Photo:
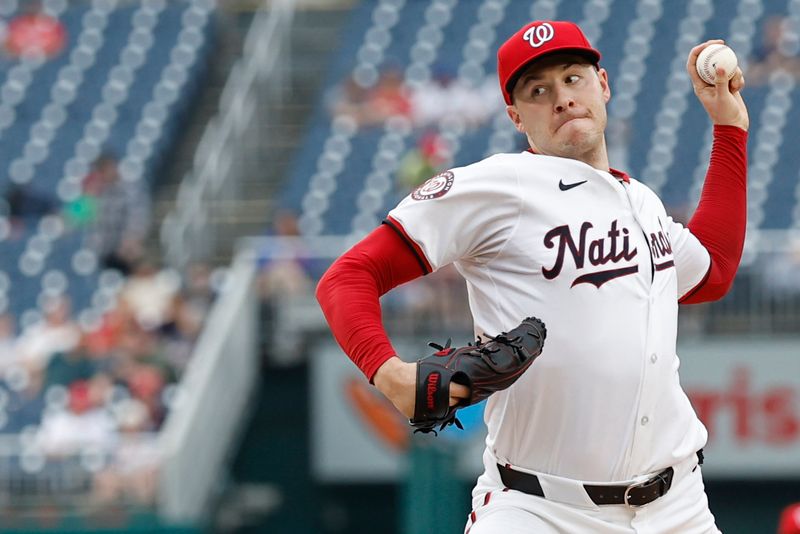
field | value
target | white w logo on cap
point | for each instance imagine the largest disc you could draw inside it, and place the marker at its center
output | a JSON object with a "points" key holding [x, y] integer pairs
{"points": [[539, 35]]}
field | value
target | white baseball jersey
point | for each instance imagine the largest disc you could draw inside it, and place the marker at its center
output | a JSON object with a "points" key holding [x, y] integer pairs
{"points": [[601, 263]]}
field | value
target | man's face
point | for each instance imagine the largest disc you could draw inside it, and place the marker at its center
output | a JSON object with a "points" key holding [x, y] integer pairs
{"points": [[560, 104]]}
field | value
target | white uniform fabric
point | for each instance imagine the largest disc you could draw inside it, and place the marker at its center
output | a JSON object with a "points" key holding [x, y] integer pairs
{"points": [[601, 263]]}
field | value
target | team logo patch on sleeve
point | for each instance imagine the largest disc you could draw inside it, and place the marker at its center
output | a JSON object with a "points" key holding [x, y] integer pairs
{"points": [[435, 187]]}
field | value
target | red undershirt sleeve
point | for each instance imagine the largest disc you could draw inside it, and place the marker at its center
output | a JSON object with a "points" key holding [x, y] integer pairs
{"points": [[349, 293], [720, 220]]}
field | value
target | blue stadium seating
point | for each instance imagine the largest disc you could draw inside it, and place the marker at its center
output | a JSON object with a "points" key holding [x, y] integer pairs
{"points": [[134, 43], [686, 160]]}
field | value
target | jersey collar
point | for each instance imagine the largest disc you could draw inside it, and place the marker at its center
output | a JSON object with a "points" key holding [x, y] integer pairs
{"points": [[619, 175]]}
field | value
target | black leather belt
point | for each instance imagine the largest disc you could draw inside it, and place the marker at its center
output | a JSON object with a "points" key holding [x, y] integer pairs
{"points": [[637, 494]]}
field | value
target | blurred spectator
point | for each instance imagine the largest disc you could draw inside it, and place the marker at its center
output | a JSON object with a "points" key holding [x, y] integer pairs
{"points": [[284, 264], [25, 402], [142, 366], [131, 474], [430, 101], [82, 211], [84, 423], [70, 366], [197, 293], [187, 314], [444, 98], [102, 340], [57, 332], [424, 161], [349, 100], [179, 335], [26, 205], [143, 345], [285, 272], [372, 106], [9, 352], [118, 223], [781, 272], [34, 33], [148, 294], [447, 98], [389, 97], [779, 49]]}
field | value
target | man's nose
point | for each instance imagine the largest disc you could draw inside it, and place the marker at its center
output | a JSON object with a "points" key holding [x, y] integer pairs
{"points": [[564, 104], [564, 101]]}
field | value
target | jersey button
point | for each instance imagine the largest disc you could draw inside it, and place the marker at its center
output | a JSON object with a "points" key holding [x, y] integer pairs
{"points": [[654, 357], [645, 420]]}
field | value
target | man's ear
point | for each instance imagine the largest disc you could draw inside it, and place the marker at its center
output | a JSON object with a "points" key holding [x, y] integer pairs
{"points": [[602, 74], [513, 114]]}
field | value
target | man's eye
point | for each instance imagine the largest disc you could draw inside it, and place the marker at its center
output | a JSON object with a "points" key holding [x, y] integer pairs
{"points": [[572, 78], [538, 91]]}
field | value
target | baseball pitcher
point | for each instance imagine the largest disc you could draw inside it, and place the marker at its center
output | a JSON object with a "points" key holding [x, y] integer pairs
{"points": [[589, 429]]}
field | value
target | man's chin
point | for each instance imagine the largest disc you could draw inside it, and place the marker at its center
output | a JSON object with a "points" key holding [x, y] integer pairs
{"points": [[575, 149], [579, 142]]}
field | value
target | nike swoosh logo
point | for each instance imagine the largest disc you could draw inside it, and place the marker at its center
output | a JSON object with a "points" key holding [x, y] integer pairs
{"points": [[567, 187]]}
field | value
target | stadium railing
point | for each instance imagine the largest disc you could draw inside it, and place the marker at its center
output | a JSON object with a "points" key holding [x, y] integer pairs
{"points": [[201, 430], [219, 164]]}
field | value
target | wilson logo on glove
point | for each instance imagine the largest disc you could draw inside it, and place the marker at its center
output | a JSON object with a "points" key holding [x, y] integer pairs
{"points": [[433, 383]]}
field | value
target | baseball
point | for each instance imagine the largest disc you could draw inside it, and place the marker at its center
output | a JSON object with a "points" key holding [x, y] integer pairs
{"points": [[715, 56]]}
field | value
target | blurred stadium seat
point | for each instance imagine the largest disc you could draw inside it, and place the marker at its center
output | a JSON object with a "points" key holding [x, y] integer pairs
{"points": [[122, 85]]}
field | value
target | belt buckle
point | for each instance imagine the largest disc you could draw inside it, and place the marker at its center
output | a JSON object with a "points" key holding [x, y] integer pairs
{"points": [[626, 495], [660, 477]]}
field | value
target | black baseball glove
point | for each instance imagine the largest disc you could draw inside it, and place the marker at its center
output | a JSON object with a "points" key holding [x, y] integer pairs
{"points": [[484, 367]]}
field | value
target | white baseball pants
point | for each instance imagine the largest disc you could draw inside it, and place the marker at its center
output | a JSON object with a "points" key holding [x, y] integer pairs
{"points": [[683, 510]]}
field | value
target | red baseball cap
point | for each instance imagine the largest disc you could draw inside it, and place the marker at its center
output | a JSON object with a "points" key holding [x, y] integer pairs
{"points": [[537, 39]]}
